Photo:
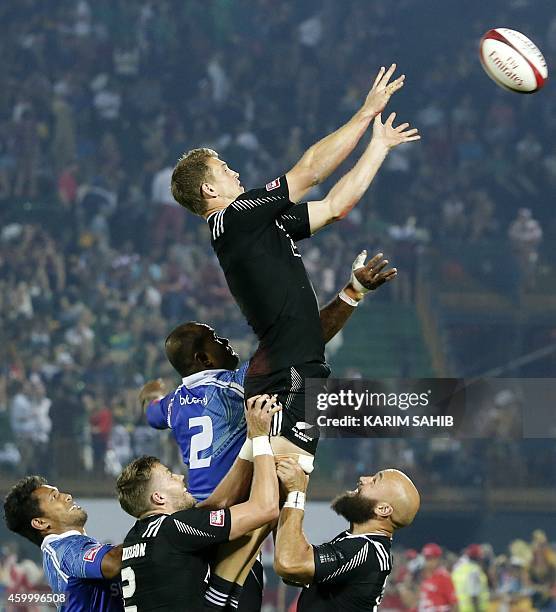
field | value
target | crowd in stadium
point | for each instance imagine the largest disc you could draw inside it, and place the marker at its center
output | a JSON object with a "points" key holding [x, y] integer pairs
{"points": [[97, 263], [520, 578]]}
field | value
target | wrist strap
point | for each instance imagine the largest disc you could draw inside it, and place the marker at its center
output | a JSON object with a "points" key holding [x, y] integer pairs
{"points": [[246, 451], [261, 446], [296, 500], [345, 297], [358, 286]]}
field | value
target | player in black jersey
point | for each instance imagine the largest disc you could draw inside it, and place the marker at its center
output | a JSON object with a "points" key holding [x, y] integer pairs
{"points": [[254, 235], [195, 348], [349, 572], [166, 554]]}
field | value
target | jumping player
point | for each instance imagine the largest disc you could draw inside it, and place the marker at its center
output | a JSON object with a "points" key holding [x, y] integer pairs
{"points": [[166, 553], [81, 571], [254, 235], [205, 413], [350, 571]]}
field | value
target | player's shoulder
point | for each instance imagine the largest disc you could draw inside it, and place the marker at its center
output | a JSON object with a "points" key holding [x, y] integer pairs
{"points": [[219, 381], [60, 543], [194, 521], [277, 188], [376, 546]]}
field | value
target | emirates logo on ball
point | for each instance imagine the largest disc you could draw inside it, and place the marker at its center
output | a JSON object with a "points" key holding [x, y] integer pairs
{"points": [[513, 61]]}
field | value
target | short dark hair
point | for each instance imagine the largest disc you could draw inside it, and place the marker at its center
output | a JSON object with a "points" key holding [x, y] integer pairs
{"points": [[181, 345], [133, 485], [21, 507], [189, 174]]}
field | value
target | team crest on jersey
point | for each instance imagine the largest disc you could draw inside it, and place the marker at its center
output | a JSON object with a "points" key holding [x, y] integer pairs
{"points": [[273, 184], [217, 518], [92, 553]]}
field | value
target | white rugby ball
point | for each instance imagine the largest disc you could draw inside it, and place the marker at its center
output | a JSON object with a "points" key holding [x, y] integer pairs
{"points": [[513, 61]]}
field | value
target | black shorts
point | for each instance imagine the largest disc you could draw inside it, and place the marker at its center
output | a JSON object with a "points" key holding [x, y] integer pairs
{"points": [[292, 422], [251, 598]]}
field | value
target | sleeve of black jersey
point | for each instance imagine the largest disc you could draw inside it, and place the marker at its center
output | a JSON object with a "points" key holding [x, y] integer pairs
{"points": [[259, 207], [339, 561], [197, 528], [296, 222]]}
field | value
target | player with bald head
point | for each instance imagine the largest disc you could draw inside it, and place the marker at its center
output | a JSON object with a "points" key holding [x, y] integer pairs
{"points": [[350, 571]]}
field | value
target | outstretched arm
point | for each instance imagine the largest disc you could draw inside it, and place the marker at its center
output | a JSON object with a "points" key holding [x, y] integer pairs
{"points": [[347, 192], [293, 555], [364, 278], [111, 563], [319, 161]]}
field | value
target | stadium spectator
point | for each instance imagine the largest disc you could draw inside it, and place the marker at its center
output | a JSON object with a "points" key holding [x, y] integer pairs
{"points": [[470, 581], [437, 592], [525, 234]]}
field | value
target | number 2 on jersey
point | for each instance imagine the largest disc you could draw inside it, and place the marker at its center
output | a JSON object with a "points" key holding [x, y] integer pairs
{"points": [[128, 586], [200, 441]]}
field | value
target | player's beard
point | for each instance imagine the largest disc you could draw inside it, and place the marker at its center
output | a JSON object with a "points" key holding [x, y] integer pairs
{"points": [[353, 507]]}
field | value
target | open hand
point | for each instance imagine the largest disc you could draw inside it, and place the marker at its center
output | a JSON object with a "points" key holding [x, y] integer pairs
{"points": [[389, 136], [152, 390], [371, 275], [381, 91]]}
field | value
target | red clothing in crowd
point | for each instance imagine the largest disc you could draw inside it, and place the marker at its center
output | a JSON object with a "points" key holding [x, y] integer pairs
{"points": [[437, 592], [101, 422]]}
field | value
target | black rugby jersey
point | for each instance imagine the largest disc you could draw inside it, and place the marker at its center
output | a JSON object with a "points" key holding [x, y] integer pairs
{"points": [[165, 559], [350, 574], [254, 240]]}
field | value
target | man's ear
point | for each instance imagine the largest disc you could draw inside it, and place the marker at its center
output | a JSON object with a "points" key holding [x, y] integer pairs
{"points": [[202, 358], [39, 524], [208, 191], [158, 498], [383, 509]]}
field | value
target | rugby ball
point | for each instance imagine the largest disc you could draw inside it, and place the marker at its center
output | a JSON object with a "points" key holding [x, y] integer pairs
{"points": [[512, 61]]}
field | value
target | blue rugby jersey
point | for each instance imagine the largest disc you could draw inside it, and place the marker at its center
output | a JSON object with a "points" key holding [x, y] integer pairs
{"points": [[72, 566], [206, 416]]}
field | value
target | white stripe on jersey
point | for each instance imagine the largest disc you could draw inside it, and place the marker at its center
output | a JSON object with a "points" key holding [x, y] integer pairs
{"points": [[220, 220], [356, 561], [243, 204], [297, 383], [218, 225], [382, 556], [152, 530], [52, 554], [185, 528], [215, 382]]}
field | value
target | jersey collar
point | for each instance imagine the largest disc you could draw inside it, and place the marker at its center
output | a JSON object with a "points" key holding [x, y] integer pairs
{"points": [[198, 376], [58, 536], [364, 535]]}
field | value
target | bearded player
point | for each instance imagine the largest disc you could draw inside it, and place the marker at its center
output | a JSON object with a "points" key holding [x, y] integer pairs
{"points": [[350, 571], [205, 414], [254, 235]]}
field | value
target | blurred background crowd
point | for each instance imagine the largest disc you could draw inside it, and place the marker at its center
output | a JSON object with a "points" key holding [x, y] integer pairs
{"points": [[97, 263]]}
